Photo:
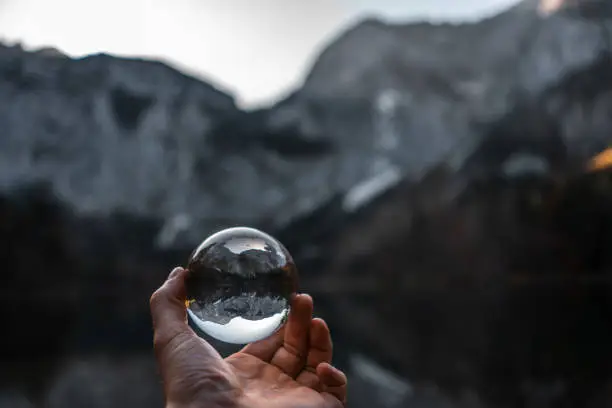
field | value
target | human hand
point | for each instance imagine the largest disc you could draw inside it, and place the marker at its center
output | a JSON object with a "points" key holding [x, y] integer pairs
{"points": [[290, 369]]}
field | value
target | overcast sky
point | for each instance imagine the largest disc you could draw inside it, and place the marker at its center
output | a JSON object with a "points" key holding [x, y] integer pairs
{"points": [[256, 49]]}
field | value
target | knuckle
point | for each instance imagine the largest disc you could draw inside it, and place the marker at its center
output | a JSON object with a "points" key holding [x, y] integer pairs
{"points": [[156, 299], [310, 380], [294, 351], [311, 369]]}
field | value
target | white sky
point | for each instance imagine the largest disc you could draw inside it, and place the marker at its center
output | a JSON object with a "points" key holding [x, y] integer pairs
{"points": [[257, 49]]}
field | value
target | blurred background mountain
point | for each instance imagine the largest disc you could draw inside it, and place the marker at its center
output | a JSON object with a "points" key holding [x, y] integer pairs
{"points": [[438, 171]]}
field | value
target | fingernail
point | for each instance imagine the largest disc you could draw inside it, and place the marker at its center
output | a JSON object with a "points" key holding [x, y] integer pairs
{"points": [[175, 272]]}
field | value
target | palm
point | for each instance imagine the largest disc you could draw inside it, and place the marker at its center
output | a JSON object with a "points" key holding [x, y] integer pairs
{"points": [[289, 369], [265, 385]]}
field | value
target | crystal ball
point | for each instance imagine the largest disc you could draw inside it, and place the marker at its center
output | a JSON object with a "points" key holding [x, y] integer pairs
{"points": [[240, 285]]}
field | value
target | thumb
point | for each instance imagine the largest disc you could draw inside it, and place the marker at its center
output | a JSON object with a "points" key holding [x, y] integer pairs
{"points": [[185, 361], [168, 310]]}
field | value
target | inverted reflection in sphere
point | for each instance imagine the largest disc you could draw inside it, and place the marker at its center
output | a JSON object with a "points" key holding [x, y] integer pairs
{"points": [[240, 285]]}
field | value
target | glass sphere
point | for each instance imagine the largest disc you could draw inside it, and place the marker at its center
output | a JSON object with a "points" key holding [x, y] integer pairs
{"points": [[240, 285]]}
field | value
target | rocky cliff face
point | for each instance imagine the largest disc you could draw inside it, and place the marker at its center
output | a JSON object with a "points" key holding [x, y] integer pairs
{"points": [[429, 179]]}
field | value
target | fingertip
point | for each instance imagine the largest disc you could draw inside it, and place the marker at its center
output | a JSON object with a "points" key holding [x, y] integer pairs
{"points": [[300, 311], [290, 358], [176, 272], [320, 340], [301, 298], [168, 302], [330, 376], [324, 369], [175, 284], [302, 303], [300, 315], [333, 380], [319, 325]]}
